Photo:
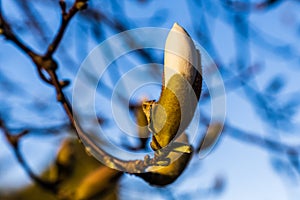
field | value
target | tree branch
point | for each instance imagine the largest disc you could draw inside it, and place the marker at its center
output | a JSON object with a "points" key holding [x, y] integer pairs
{"points": [[65, 19], [14, 140], [257, 140], [6, 30]]}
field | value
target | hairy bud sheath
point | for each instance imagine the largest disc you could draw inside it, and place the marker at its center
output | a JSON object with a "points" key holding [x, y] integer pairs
{"points": [[164, 175]]}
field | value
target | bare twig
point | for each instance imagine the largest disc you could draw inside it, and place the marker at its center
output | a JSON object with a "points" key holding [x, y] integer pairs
{"points": [[8, 33], [66, 18], [43, 63]]}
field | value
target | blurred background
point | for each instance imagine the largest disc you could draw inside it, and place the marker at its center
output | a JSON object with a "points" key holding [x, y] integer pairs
{"points": [[255, 47]]}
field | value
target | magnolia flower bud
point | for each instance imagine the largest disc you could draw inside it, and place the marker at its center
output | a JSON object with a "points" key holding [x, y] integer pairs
{"points": [[182, 83]]}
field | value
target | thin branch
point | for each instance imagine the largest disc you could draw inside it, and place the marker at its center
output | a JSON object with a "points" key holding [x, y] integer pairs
{"points": [[60, 95], [42, 76], [66, 18], [14, 142], [6, 30]]}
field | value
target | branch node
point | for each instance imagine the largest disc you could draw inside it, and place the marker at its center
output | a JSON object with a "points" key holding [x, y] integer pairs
{"points": [[81, 4], [64, 83], [60, 97]]}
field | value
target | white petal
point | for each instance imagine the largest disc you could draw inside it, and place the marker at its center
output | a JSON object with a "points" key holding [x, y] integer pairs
{"points": [[180, 55]]}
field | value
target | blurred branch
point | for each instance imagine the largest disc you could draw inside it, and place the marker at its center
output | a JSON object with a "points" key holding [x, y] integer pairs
{"points": [[274, 45], [292, 152], [260, 141], [6, 30], [249, 6], [35, 20], [234, 82], [10, 35], [117, 25], [14, 141], [45, 129]]}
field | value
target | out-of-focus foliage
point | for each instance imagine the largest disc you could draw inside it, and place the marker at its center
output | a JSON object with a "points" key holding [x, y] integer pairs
{"points": [[82, 177]]}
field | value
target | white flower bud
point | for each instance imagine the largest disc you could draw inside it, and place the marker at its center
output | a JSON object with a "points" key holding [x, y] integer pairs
{"points": [[182, 82]]}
